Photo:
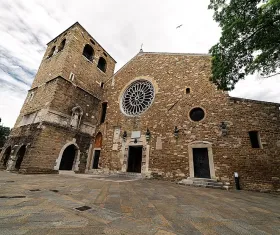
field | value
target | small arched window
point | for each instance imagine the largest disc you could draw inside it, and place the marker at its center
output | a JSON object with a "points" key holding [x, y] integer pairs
{"points": [[102, 64], [51, 52], [62, 44], [88, 52]]}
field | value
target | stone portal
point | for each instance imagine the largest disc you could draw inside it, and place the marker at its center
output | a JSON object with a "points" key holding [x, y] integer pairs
{"points": [[96, 151], [96, 159], [6, 156], [134, 159], [68, 157], [19, 157]]}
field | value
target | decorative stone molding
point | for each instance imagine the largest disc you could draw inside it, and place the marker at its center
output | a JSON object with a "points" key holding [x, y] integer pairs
{"points": [[145, 153], [77, 114]]}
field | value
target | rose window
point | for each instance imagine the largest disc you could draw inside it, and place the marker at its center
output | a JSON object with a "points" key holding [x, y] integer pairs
{"points": [[138, 97]]}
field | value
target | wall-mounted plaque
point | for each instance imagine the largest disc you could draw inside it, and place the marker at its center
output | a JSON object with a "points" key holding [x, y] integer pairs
{"points": [[159, 143], [115, 146], [117, 132], [135, 134]]}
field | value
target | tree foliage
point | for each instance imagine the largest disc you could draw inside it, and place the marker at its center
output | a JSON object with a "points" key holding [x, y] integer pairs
{"points": [[4, 133], [250, 40]]}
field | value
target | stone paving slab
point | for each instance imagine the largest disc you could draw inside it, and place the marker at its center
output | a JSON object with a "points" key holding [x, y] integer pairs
{"points": [[149, 207]]}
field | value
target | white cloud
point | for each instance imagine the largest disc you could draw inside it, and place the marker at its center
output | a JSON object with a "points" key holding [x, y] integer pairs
{"points": [[254, 87], [119, 26]]}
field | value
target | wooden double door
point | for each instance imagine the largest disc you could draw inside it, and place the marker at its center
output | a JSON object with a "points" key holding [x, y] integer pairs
{"points": [[201, 163]]}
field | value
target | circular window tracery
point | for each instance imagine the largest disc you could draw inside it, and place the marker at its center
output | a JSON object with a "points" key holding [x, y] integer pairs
{"points": [[197, 114], [138, 97]]}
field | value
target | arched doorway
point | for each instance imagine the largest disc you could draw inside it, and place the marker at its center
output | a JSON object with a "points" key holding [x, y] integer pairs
{"points": [[97, 150], [68, 158], [6, 156], [19, 156]]}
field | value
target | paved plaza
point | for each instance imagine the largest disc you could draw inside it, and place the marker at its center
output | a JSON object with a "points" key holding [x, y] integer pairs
{"points": [[46, 204]]}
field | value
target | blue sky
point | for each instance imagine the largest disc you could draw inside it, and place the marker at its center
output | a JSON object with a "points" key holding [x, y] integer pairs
{"points": [[119, 26]]}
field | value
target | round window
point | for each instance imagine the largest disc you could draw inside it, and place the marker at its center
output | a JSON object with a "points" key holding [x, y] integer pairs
{"points": [[197, 114], [138, 97]]}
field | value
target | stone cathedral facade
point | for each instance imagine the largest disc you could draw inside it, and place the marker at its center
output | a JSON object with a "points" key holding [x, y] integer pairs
{"points": [[159, 115]]}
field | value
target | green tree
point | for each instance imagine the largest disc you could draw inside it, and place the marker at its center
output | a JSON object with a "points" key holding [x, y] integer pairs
{"points": [[250, 40], [4, 133]]}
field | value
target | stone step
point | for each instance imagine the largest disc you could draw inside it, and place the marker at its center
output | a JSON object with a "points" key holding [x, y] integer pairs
{"points": [[208, 186], [208, 183], [205, 183], [98, 173], [202, 179], [128, 174], [66, 172]]}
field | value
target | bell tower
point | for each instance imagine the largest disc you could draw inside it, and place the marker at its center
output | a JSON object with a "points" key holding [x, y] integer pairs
{"points": [[63, 106]]}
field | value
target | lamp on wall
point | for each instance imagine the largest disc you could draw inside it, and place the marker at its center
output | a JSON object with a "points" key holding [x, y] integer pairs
{"points": [[148, 135], [176, 132], [223, 127], [124, 136]]}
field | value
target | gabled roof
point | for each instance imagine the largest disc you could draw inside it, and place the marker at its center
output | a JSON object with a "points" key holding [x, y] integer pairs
{"points": [[253, 101], [157, 53], [174, 53]]}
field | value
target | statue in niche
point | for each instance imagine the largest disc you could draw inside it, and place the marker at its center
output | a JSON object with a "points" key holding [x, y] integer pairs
{"points": [[77, 114]]}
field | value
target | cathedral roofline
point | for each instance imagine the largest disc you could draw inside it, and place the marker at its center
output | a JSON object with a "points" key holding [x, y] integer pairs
{"points": [[175, 53], [157, 53], [253, 101], [121, 68], [78, 24], [189, 54]]}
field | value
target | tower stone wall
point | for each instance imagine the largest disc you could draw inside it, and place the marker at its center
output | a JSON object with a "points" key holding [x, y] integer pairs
{"points": [[63, 105]]}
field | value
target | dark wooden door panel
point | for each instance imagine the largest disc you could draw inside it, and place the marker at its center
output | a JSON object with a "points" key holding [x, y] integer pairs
{"points": [[201, 163], [96, 159], [134, 163]]}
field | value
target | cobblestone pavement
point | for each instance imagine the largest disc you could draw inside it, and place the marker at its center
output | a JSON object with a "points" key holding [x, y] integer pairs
{"points": [[45, 204]]}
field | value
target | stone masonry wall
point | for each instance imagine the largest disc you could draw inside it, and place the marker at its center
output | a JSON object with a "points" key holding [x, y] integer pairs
{"points": [[68, 96], [44, 142], [42, 97], [171, 74], [22, 136], [258, 167]]}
